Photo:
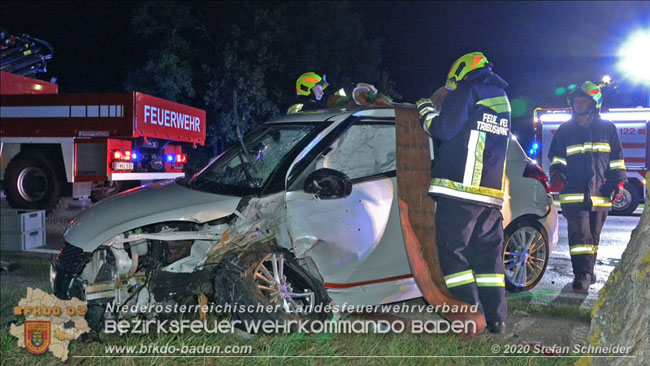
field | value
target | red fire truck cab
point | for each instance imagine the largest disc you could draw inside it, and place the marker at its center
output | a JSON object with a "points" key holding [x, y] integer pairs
{"points": [[88, 144]]}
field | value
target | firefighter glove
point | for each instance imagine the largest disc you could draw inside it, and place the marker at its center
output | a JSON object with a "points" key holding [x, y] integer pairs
{"points": [[558, 180], [611, 189]]}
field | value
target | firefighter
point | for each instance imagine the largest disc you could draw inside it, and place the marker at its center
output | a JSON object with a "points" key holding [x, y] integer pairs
{"points": [[469, 121], [588, 169], [310, 89]]}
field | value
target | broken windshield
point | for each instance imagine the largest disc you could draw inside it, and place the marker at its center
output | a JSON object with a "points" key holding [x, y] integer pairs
{"points": [[232, 173]]}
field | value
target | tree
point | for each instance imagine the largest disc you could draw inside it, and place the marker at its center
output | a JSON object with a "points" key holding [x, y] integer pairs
{"points": [[167, 72], [620, 316], [204, 53]]}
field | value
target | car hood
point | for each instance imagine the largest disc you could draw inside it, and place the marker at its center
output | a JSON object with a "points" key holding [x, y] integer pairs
{"points": [[158, 202]]}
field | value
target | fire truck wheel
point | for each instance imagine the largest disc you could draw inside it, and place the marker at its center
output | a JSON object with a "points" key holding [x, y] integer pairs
{"points": [[628, 202], [31, 182], [103, 190]]}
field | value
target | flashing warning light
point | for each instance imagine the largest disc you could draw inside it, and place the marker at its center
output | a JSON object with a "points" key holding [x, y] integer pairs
{"points": [[533, 149], [126, 155], [633, 56], [170, 158], [180, 158], [134, 156]]}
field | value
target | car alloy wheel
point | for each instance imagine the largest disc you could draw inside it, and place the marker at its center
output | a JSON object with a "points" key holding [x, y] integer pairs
{"points": [[273, 283], [525, 255]]}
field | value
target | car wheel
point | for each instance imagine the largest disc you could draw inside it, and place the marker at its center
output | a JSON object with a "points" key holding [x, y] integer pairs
{"points": [[525, 254], [268, 275], [628, 202]]}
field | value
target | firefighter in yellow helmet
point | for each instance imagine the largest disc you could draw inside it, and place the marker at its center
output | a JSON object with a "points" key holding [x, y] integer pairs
{"points": [[469, 121], [588, 169], [310, 89]]}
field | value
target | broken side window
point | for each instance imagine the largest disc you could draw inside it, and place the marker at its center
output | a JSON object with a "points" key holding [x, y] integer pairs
{"points": [[362, 151]]}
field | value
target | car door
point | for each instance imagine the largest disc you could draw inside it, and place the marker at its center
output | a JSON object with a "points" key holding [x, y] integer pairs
{"points": [[354, 239]]}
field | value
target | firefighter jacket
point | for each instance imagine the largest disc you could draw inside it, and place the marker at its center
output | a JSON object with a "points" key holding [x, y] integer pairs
{"points": [[587, 156], [471, 134]]}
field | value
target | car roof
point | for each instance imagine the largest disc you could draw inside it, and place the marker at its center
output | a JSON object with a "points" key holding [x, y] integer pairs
{"points": [[323, 115]]}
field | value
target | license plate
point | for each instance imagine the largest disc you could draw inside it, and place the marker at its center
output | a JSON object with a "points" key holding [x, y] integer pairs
{"points": [[119, 165], [177, 166]]}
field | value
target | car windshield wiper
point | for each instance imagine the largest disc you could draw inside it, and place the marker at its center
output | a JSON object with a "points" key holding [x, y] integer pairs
{"points": [[249, 176], [247, 173]]}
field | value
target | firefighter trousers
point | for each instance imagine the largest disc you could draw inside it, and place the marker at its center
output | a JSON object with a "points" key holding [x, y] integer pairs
{"points": [[584, 235], [470, 249]]}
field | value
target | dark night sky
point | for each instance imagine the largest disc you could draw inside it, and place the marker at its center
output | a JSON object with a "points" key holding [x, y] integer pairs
{"points": [[536, 46]]}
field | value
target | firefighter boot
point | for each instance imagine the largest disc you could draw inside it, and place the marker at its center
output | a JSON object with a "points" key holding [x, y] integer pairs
{"points": [[582, 281], [497, 327]]}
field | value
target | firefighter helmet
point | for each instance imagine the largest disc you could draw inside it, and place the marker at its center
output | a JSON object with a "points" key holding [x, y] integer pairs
{"points": [[589, 90], [463, 66], [309, 80]]}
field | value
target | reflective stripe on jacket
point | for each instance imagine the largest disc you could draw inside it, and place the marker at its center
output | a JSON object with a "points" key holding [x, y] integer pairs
{"points": [[588, 156], [471, 135]]}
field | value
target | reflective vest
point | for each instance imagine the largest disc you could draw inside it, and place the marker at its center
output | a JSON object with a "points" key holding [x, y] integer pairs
{"points": [[587, 156], [471, 135]]}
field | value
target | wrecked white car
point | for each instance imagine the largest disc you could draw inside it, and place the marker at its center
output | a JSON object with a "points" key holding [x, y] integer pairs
{"points": [[303, 212]]}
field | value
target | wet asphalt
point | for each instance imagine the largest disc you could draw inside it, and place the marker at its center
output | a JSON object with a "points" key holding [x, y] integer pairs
{"points": [[555, 286]]}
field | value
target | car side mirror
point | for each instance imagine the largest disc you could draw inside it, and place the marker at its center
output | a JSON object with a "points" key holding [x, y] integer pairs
{"points": [[328, 184]]}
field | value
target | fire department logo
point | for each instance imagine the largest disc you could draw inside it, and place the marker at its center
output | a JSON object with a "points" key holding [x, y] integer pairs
{"points": [[37, 336], [50, 323]]}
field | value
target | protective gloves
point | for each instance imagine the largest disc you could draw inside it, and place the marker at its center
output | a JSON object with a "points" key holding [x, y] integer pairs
{"points": [[558, 180]]}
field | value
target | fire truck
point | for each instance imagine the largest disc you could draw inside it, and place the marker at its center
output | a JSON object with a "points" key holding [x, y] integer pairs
{"points": [[632, 125], [54, 144]]}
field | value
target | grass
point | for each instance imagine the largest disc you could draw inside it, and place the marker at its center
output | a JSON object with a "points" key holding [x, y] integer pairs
{"points": [[34, 266], [310, 348], [559, 310], [314, 349]]}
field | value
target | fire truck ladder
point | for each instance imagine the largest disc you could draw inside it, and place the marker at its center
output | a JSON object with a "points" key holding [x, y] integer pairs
{"points": [[23, 55]]}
